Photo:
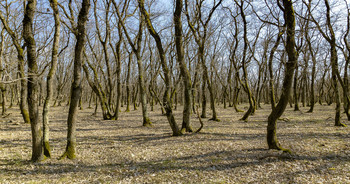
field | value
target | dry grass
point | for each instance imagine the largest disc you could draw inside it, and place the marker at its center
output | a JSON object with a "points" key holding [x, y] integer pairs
{"points": [[230, 151]]}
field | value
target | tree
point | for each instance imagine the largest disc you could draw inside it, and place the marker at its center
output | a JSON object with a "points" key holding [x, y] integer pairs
{"points": [[166, 97], [186, 78], [289, 18], [28, 35], [80, 34], [49, 79], [20, 57], [200, 34], [2, 76], [245, 83], [330, 38], [136, 47]]}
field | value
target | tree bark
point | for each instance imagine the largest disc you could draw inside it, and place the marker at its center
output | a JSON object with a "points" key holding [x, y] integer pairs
{"points": [[49, 79], [20, 56], [80, 34], [245, 84], [166, 97], [289, 18], [271, 81], [28, 35], [2, 86], [128, 84], [183, 68]]}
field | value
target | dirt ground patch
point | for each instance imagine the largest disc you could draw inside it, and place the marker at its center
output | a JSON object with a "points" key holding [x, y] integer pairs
{"points": [[230, 151]]}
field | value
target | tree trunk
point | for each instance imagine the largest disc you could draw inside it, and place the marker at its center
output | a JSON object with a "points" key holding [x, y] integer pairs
{"points": [[183, 68], [49, 80], [295, 89], [117, 56], [287, 83], [166, 97], [271, 81], [246, 87], [128, 85], [2, 86], [33, 94], [80, 35], [204, 99], [313, 72]]}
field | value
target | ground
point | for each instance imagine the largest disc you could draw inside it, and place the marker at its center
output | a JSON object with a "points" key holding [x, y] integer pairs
{"points": [[230, 151]]}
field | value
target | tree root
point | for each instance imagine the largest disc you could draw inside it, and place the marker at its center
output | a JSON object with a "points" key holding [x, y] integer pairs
{"points": [[284, 119], [67, 155], [6, 115], [215, 119], [341, 125]]}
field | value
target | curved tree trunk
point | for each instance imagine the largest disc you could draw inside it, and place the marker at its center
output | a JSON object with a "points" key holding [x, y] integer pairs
{"points": [[245, 84], [49, 80], [166, 97], [287, 83], [271, 81]]}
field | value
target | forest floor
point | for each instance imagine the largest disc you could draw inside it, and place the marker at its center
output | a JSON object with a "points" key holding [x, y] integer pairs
{"points": [[230, 151]]}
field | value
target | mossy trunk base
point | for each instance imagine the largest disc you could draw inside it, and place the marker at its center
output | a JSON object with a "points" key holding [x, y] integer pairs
{"points": [[47, 149], [70, 151], [147, 122]]}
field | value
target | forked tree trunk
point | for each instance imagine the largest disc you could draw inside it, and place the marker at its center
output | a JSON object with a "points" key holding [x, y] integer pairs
{"points": [[136, 47], [20, 56], [166, 97], [330, 37]]}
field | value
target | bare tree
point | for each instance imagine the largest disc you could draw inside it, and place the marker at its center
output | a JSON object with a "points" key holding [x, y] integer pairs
{"points": [[79, 30], [186, 78], [50, 77], [289, 19], [200, 34], [20, 56], [330, 38], [166, 97], [136, 47]]}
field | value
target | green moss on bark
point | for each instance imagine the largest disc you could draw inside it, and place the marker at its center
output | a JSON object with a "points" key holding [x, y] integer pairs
{"points": [[70, 151], [147, 122], [47, 149], [25, 115]]}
